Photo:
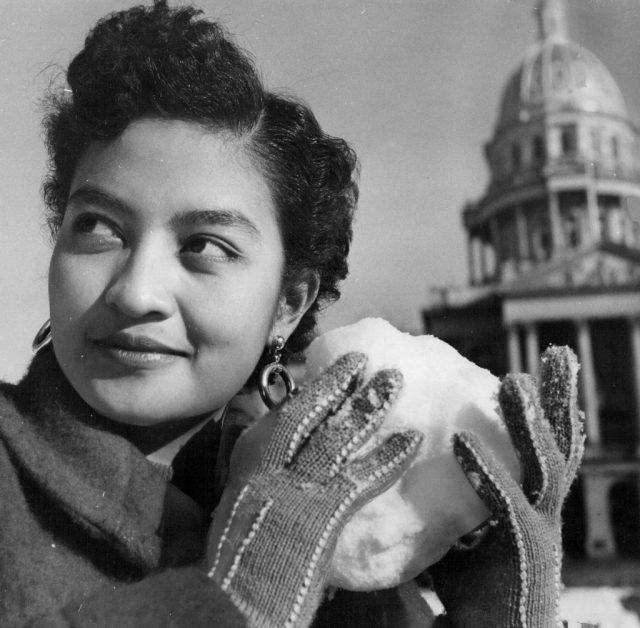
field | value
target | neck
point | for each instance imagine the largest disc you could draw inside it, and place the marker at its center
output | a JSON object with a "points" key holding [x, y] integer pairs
{"points": [[151, 438]]}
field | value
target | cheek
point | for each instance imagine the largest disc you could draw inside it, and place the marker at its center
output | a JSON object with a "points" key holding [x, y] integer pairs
{"points": [[233, 320], [73, 287], [236, 318]]}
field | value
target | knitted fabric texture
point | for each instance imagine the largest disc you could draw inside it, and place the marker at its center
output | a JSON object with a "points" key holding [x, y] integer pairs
{"points": [[84, 536], [278, 537], [81, 514], [512, 576]]}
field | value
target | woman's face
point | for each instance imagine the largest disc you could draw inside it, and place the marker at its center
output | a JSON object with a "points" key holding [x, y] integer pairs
{"points": [[165, 280]]}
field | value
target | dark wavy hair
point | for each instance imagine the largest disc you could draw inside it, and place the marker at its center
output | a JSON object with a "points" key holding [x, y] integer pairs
{"points": [[163, 62]]}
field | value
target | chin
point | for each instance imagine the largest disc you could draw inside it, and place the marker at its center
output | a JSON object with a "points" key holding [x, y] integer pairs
{"points": [[133, 406], [144, 405]]}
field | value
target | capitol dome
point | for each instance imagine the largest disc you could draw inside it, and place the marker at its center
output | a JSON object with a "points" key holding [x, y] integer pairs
{"points": [[563, 161], [559, 75]]}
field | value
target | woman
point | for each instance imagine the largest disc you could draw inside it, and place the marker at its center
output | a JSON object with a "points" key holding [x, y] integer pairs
{"points": [[199, 222]]}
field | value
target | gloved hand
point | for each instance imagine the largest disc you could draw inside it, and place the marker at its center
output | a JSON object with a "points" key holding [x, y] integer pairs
{"points": [[511, 577], [274, 533]]}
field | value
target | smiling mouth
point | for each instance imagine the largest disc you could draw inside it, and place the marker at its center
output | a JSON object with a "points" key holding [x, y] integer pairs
{"points": [[136, 351]]}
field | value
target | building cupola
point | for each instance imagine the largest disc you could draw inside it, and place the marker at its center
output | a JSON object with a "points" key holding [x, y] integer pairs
{"points": [[563, 160]]}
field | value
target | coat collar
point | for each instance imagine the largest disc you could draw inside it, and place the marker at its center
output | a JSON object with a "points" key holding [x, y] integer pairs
{"points": [[103, 482]]}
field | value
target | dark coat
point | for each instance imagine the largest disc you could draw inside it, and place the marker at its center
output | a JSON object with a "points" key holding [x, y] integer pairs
{"points": [[83, 537]]}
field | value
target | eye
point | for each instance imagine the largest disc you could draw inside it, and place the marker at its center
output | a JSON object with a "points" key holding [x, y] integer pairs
{"points": [[205, 249], [95, 233], [90, 223]]}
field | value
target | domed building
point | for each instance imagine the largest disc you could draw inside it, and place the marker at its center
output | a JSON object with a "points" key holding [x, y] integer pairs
{"points": [[554, 257]]}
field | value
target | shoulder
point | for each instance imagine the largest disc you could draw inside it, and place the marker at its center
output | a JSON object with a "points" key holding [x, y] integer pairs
{"points": [[11, 424], [15, 433], [7, 392], [10, 416]]}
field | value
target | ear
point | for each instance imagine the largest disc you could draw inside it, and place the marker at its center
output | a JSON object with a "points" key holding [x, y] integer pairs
{"points": [[295, 300]]}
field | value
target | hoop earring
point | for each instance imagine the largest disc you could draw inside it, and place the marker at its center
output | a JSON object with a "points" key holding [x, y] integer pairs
{"points": [[42, 337], [267, 376]]}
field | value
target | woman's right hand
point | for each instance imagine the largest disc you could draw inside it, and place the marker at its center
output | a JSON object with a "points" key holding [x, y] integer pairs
{"points": [[290, 492]]}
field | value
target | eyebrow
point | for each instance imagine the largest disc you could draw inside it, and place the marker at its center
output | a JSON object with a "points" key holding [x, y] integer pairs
{"points": [[218, 216]]}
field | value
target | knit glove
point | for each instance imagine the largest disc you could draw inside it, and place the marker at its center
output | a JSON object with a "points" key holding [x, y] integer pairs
{"points": [[511, 577], [277, 539]]}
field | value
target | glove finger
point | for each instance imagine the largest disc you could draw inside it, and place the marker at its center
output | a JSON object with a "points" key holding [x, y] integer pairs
{"points": [[559, 399], [306, 409], [575, 457], [531, 435], [384, 465], [341, 435], [488, 477]]}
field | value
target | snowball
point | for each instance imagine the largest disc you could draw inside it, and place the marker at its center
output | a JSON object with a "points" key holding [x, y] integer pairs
{"points": [[415, 522]]}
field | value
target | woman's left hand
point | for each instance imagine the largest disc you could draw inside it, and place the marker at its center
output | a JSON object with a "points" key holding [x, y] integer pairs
{"points": [[511, 577]]}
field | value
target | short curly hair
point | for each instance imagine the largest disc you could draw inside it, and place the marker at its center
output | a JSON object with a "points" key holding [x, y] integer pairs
{"points": [[172, 63]]}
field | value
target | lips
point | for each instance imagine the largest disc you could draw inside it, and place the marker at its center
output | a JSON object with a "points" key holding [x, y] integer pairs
{"points": [[124, 341]]}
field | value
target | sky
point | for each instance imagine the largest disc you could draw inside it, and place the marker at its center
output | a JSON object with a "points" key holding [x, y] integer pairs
{"points": [[413, 85]]}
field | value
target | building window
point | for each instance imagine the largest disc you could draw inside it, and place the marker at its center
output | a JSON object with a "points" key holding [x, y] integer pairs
{"points": [[571, 224], [516, 156], [507, 238], [568, 139], [538, 233], [538, 148]]}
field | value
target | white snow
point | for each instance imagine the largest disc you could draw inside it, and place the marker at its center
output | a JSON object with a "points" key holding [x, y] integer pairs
{"points": [[416, 521], [598, 605], [601, 606]]}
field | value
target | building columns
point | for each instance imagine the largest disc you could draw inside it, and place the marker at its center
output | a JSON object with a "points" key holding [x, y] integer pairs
{"points": [[471, 257], [533, 348], [555, 220], [589, 386], [629, 234], [600, 541], [497, 247], [513, 348], [523, 238], [593, 212], [483, 262]]}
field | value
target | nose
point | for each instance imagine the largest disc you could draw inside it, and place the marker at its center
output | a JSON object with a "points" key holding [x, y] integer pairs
{"points": [[141, 286]]}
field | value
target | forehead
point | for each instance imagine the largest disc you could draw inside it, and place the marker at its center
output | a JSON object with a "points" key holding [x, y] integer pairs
{"points": [[175, 166]]}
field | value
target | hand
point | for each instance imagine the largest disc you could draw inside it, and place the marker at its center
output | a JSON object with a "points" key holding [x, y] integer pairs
{"points": [[275, 530], [512, 576]]}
